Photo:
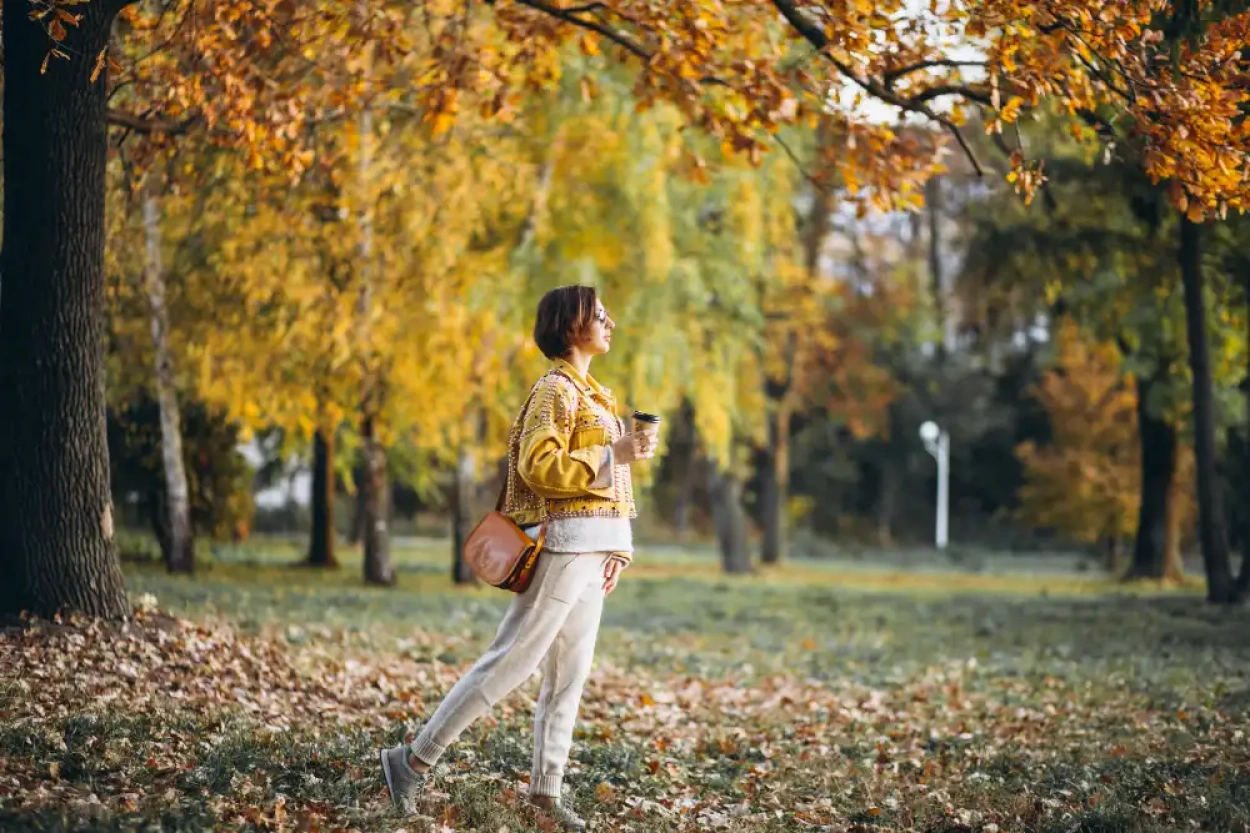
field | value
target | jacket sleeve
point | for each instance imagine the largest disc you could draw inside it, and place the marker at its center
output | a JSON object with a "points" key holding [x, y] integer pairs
{"points": [[545, 462]]}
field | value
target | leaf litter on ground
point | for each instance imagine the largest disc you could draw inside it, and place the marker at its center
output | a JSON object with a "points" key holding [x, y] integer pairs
{"points": [[192, 723]]}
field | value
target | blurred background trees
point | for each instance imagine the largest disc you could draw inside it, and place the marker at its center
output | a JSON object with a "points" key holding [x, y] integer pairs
{"points": [[816, 229]]}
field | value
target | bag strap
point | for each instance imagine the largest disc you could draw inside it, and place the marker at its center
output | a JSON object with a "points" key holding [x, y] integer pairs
{"points": [[503, 489]]}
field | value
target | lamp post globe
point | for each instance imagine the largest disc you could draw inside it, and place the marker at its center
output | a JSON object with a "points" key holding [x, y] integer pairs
{"points": [[929, 431]]}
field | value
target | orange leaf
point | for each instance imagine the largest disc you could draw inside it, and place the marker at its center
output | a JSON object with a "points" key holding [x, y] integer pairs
{"points": [[443, 122], [56, 31], [99, 64]]}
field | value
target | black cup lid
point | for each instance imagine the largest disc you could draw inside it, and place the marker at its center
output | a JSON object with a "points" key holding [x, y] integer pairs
{"points": [[643, 416]]}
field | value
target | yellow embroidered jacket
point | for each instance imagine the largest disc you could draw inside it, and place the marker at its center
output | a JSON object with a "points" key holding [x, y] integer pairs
{"points": [[558, 453]]}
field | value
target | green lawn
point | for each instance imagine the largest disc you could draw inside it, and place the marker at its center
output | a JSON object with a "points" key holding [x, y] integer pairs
{"points": [[818, 696]]}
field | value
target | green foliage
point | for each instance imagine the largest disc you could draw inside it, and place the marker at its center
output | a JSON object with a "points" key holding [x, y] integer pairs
{"points": [[219, 478], [1101, 248]]}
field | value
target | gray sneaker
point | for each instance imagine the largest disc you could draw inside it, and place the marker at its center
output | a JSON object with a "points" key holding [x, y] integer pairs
{"points": [[402, 781], [567, 819]]}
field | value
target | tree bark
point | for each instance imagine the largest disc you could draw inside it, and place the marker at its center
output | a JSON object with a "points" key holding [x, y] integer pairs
{"points": [[774, 488], [57, 547], [179, 554], [941, 297], [775, 476], [1173, 558], [684, 451], [725, 493], [321, 546], [1155, 549], [356, 534], [375, 526], [1214, 539], [462, 518]]}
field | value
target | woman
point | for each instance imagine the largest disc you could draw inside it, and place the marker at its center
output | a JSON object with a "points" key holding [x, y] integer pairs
{"points": [[568, 466]]}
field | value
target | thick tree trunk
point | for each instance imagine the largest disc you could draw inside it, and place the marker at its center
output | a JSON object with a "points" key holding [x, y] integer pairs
{"points": [[1155, 551], [56, 512], [729, 517], [180, 554], [462, 518], [321, 546], [1214, 540], [774, 489], [375, 526]]}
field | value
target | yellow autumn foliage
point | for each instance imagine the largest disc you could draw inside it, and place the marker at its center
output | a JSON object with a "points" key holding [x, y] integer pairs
{"points": [[1085, 482]]}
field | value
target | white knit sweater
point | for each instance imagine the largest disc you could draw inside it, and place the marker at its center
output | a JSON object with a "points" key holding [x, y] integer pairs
{"points": [[587, 535]]}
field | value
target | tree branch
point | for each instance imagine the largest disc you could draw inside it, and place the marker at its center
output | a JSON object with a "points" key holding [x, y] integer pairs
{"points": [[817, 38], [571, 15], [939, 90], [798, 164], [147, 125], [895, 74], [801, 24], [963, 143]]}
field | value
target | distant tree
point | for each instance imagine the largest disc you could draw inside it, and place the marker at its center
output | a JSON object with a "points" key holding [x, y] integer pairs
{"points": [[1084, 482]]}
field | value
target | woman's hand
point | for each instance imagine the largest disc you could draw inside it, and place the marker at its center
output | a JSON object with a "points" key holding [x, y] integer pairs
{"points": [[612, 574], [633, 447]]}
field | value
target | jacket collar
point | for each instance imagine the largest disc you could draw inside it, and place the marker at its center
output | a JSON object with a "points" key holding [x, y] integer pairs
{"points": [[586, 384]]}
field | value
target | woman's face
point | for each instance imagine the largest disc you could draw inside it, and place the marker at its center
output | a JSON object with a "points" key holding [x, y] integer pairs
{"points": [[598, 338]]}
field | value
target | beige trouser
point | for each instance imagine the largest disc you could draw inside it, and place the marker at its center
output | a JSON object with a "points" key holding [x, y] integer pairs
{"points": [[554, 622]]}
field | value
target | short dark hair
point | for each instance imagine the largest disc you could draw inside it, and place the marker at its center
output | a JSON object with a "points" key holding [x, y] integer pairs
{"points": [[564, 314]]}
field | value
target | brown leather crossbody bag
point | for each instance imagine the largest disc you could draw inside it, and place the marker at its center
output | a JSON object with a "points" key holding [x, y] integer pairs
{"points": [[500, 553]]}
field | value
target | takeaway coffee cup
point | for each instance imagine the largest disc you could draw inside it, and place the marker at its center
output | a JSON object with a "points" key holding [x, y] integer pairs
{"points": [[645, 422]]}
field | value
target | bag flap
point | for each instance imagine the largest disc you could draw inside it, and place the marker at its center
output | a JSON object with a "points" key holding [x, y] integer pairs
{"points": [[494, 547]]}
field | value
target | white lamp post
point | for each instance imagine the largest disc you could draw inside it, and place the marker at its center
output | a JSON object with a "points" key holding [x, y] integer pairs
{"points": [[938, 443]]}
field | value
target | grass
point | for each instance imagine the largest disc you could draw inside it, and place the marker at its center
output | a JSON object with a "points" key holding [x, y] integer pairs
{"points": [[816, 696]]}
